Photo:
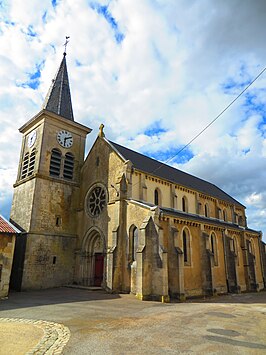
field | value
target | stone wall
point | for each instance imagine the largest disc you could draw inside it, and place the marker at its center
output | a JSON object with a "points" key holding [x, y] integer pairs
{"points": [[171, 194], [7, 244], [49, 261], [21, 209]]}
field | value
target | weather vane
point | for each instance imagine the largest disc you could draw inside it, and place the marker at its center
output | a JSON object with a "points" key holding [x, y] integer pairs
{"points": [[66, 42]]}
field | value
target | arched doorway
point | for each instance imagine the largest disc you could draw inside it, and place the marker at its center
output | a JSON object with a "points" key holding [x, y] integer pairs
{"points": [[93, 251]]}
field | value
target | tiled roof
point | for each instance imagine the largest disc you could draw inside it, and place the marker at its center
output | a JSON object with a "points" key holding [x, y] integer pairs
{"points": [[58, 99], [163, 171], [7, 227]]}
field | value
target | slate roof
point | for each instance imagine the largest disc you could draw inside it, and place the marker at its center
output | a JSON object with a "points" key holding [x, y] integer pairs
{"points": [[163, 171], [194, 217], [214, 221], [58, 99], [7, 227]]}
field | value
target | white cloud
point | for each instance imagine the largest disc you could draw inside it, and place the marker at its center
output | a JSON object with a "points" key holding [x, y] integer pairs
{"points": [[254, 199], [180, 64]]}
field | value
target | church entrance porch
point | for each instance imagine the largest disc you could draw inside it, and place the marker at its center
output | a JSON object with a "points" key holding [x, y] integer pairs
{"points": [[93, 259]]}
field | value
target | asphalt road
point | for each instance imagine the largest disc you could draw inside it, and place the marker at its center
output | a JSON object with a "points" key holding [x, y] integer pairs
{"points": [[101, 323]]}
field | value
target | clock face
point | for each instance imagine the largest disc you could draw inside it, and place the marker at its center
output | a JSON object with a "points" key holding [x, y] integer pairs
{"points": [[65, 139], [32, 138]]}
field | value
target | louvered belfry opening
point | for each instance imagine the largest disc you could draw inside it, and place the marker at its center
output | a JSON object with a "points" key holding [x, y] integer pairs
{"points": [[55, 163], [28, 164], [68, 166], [25, 166], [32, 162]]}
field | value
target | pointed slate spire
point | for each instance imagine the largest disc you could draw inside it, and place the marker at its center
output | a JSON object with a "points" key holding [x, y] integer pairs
{"points": [[58, 99]]}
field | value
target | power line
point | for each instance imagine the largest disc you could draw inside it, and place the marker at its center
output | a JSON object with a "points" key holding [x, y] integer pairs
{"points": [[215, 119]]}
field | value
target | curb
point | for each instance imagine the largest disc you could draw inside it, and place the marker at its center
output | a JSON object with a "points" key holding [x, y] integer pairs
{"points": [[55, 336]]}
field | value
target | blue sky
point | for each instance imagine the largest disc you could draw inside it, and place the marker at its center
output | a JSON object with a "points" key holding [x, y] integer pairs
{"points": [[105, 12], [155, 73]]}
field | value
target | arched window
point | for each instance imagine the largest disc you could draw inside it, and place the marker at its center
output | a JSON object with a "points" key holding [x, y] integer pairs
{"points": [[184, 204], [55, 162], [241, 221], [212, 243], [214, 248], [68, 166], [225, 215], [186, 247], [206, 210], [157, 197], [135, 243], [25, 166], [32, 162]]}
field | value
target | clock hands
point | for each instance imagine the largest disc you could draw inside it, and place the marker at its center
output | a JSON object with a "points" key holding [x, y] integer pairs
{"points": [[66, 138], [31, 139]]}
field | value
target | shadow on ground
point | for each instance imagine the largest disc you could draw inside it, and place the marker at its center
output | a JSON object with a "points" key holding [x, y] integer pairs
{"points": [[52, 296], [65, 295], [244, 298], [235, 342]]}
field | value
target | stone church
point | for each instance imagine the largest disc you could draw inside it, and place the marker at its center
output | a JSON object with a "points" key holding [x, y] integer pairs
{"points": [[121, 220]]}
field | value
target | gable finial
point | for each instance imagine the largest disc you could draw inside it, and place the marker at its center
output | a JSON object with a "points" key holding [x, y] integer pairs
{"points": [[66, 43], [101, 132]]}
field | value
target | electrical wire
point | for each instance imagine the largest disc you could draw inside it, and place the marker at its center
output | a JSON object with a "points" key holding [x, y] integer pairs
{"points": [[215, 119]]}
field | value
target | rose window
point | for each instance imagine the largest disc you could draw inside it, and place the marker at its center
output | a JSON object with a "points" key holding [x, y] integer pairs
{"points": [[96, 201]]}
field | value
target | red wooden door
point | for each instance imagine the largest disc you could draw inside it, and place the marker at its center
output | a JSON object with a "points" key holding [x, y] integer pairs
{"points": [[98, 270]]}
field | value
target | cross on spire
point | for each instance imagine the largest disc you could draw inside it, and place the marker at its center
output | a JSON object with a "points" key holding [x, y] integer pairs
{"points": [[66, 43]]}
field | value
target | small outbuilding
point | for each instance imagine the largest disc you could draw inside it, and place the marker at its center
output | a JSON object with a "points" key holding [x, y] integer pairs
{"points": [[8, 233]]}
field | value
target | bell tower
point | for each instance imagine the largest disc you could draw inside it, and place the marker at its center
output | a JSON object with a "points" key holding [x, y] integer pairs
{"points": [[46, 191]]}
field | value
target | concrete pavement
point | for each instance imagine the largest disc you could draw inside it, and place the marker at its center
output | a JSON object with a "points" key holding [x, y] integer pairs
{"points": [[91, 322]]}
